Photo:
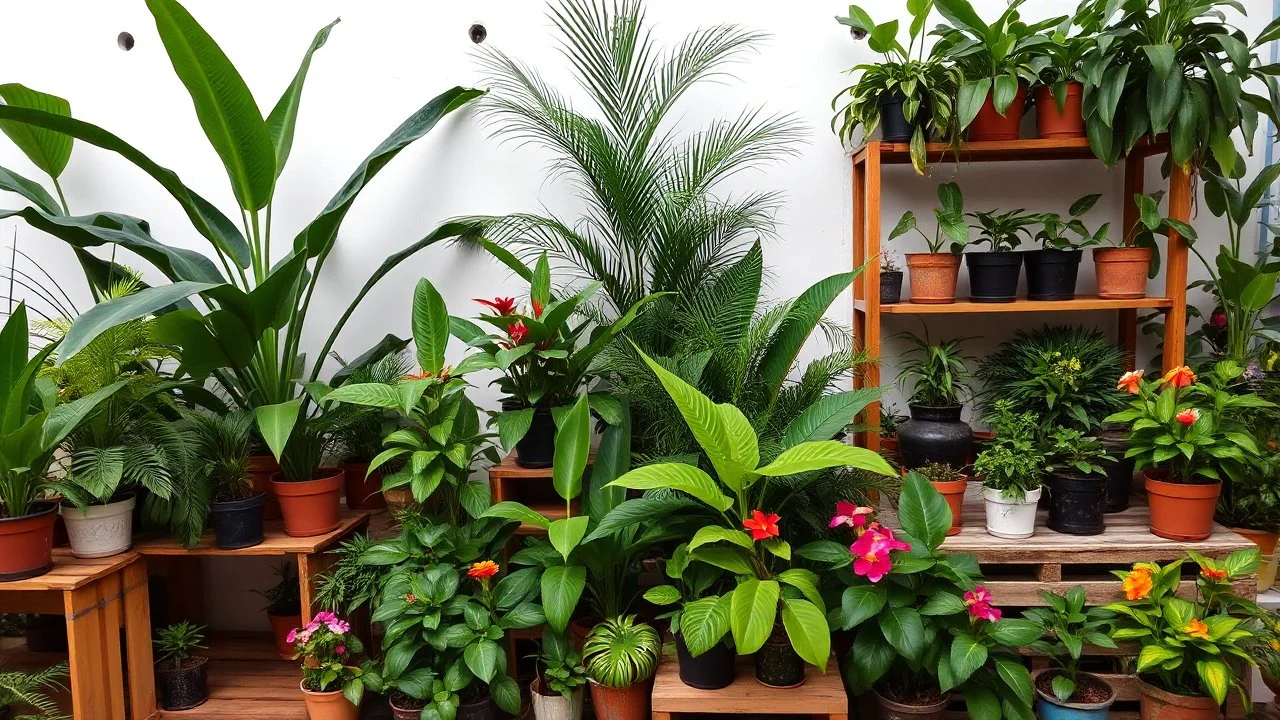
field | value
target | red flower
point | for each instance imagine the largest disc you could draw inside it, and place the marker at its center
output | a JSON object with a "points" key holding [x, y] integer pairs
{"points": [[1218, 319], [762, 526], [483, 569], [517, 332], [500, 305], [1213, 574], [1179, 377], [537, 308], [1187, 417]]}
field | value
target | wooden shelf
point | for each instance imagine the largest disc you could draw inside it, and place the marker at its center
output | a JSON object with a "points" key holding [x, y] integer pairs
{"points": [[822, 694], [1001, 150], [70, 572], [1081, 303], [509, 470], [551, 510], [274, 542]]}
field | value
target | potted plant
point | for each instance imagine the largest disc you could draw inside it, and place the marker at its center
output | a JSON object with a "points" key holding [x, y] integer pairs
{"points": [[360, 432], [1059, 88], [28, 693], [181, 678], [621, 657], [221, 445], [922, 626], [1186, 435], [998, 61], [890, 281], [908, 96], [308, 489], [700, 622], [938, 378], [951, 484], [331, 687], [284, 608], [1250, 505], [557, 690], [890, 421], [1053, 269], [1010, 469], [1076, 481], [1190, 648], [1265, 649], [934, 273], [1065, 692], [1122, 271], [993, 275]]}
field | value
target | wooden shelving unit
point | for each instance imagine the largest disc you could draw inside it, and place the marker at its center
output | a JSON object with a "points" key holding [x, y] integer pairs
{"points": [[868, 165]]}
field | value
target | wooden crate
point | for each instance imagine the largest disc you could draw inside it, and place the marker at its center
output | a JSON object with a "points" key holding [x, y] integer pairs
{"points": [[821, 695]]}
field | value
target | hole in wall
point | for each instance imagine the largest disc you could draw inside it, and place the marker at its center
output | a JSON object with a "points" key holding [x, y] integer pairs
{"points": [[478, 33], [125, 41]]}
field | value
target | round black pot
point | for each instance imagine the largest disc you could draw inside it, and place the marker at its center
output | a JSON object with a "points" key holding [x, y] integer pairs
{"points": [[894, 126], [238, 523], [993, 276], [890, 287], [1119, 475], [711, 670], [46, 633], [1051, 274], [482, 709], [1076, 503], [777, 664], [537, 448], [935, 434], [184, 688]]}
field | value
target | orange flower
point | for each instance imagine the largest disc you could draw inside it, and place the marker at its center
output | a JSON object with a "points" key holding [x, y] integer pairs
{"points": [[1213, 574], [410, 598], [1188, 416], [483, 569], [1197, 629], [1179, 377], [1130, 382], [1137, 584], [418, 376], [762, 526]]}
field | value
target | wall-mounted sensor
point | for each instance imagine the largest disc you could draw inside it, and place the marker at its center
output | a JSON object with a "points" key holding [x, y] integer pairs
{"points": [[125, 41], [477, 33]]}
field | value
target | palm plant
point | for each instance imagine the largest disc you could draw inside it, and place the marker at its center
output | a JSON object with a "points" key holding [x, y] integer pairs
{"points": [[621, 652], [655, 218], [21, 691]]}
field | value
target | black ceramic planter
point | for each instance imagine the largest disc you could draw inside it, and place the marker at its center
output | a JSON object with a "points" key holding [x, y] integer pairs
{"points": [[1076, 503], [238, 523], [482, 709], [1119, 475], [538, 446], [890, 287], [777, 664], [711, 670], [183, 688], [1051, 274], [935, 434], [894, 126], [993, 276]]}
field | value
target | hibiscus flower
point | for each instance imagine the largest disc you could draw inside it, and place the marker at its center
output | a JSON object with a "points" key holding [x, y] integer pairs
{"points": [[761, 526], [871, 552]]}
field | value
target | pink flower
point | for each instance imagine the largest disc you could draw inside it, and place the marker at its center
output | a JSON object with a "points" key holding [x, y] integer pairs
{"points": [[1218, 319], [871, 552], [854, 516], [341, 650], [324, 616], [979, 602], [339, 627], [293, 635]]}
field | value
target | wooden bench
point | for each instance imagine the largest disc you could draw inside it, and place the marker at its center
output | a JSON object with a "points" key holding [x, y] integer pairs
{"points": [[821, 695]]}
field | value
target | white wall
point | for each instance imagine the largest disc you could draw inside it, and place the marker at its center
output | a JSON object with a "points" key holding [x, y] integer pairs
{"points": [[388, 57]]}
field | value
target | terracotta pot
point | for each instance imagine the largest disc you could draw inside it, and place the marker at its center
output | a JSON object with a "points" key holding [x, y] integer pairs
{"points": [[933, 277], [1121, 272], [991, 125], [890, 710], [310, 507], [404, 708], [1157, 704], [628, 703], [329, 706], [280, 627], [1265, 540], [1181, 511], [1054, 123], [953, 493], [26, 543], [399, 499], [260, 469], [363, 493]]}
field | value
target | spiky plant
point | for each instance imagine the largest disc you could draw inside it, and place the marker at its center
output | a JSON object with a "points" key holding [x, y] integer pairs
{"points": [[221, 444], [657, 217], [27, 694], [351, 584], [621, 652], [175, 642]]}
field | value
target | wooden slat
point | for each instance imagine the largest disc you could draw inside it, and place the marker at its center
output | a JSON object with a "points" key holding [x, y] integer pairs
{"points": [[820, 694], [275, 542], [508, 469], [248, 690], [1081, 303], [137, 632], [1097, 590], [1002, 151], [70, 572]]}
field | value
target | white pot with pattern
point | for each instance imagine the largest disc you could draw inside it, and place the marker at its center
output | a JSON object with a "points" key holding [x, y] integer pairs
{"points": [[99, 530], [1008, 517]]}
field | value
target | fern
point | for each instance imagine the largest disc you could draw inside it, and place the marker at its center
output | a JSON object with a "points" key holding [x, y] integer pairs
{"points": [[27, 694]]}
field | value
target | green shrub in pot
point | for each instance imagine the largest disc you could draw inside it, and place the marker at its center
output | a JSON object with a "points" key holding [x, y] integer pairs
{"points": [[621, 656], [1067, 626], [1011, 468], [699, 618]]}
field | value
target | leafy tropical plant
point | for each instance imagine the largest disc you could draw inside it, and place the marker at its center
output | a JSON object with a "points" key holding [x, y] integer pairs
{"points": [[952, 227], [359, 438], [560, 666], [1069, 46], [1151, 222], [1012, 462], [1055, 232], [1004, 231], [350, 584], [221, 444], [937, 374], [284, 599], [697, 595], [1067, 625], [175, 642], [621, 652], [27, 693], [1069, 451]]}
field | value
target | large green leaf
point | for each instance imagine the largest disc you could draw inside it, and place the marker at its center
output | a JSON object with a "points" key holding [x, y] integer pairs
{"points": [[742, 445], [753, 612], [904, 630], [1216, 677], [106, 315], [46, 149], [14, 340], [482, 658], [704, 623], [31, 190], [566, 534], [795, 328], [860, 603], [430, 327], [67, 417], [822, 454], [807, 629], [231, 119], [967, 655], [276, 423], [824, 419], [923, 511], [613, 457], [573, 443], [561, 588], [379, 395], [676, 476], [509, 510], [284, 116]]}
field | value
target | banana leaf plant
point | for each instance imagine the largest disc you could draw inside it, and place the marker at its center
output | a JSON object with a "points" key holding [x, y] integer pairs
{"points": [[249, 333], [742, 537]]}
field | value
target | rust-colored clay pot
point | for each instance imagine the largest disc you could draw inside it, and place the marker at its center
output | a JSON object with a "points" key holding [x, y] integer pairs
{"points": [[363, 493], [933, 277], [991, 125], [329, 706], [310, 507], [628, 703], [280, 627], [1181, 511], [1121, 272], [1054, 123], [1264, 539], [1157, 704], [260, 469], [953, 492], [26, 543]]}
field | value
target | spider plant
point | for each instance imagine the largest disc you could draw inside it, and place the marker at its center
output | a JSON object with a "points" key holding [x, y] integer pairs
{"points": [[621, 652], [27, 693], [937, 374]]}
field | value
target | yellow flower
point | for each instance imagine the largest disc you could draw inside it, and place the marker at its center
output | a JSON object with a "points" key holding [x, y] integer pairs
{"points": [[1137, 584], [1197, 629]]}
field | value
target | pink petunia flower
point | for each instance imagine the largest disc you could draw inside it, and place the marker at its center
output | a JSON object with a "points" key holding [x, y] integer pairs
{"points": [[293, 635], [341, 650]]}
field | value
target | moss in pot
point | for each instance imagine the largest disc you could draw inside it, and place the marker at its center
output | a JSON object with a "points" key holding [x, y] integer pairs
{"points": [[181, 679]]}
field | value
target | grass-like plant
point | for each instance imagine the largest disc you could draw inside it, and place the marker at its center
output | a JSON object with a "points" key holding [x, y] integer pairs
{"points": [[175, 643], [935, 374]]}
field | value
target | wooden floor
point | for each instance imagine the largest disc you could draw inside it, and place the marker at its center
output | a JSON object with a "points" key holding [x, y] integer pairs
{"points": [[248, 680]]}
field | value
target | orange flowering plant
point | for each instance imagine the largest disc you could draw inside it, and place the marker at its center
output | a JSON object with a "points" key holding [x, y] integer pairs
{"points": [[1189, 646]]}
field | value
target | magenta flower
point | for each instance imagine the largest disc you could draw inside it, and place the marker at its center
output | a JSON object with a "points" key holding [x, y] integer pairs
{"points": [[341, 650], [339, 627], [871, 552], [979, 601], [293, 635], [854, 516]]}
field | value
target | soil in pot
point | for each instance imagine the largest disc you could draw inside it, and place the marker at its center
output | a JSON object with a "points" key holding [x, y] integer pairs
{"points": [[711, 670], [363, 489], [1054, 123], [404, 707], [1181, 511], [538, 446], [890, 287], [991, 125], [26, 542], [933, 277], [1121, 272], [900, 704], [1010, 518], [777, 664], [310, 507], [280, 627], [238, 523], [99, 530], [993, 276], [628, 703], [260, 469], [183, 685], [1091, 700], [1157, 704], [482, 708], [1077, 503], [935, 434], [1052, 274], [953, 492], [1119, 473]]}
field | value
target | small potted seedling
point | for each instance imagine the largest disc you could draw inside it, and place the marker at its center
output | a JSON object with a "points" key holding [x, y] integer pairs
{"points": [[1077, 482], [951, 484], [890, 280], [1053, 269], [1065, 693], [181, 679], [1010, 468], [557, 691], [934, 273]]}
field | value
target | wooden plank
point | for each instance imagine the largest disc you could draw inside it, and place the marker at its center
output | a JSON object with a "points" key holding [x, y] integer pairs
{"points": [[822, 693], [249, 690], [137, 633], [1175, 270], [275, 542], [88, 685], [110, 599], [509, 469], [871, 339], [1097, 590], [1003, 151], [961, 307], [70, 572]]}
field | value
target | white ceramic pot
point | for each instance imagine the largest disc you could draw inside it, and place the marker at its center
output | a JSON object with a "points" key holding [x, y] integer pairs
{"points": [[99, 530], [1009, 518], [556, 707]]}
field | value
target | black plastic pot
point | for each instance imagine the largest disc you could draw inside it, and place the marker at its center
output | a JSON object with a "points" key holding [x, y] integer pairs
{"points": [[777, 664], [711, 670], [183, 688], [537, 448], [238, 523], [894, 126], [1076, 503], [482, 709], [1051, 274], [993, 276], [890, 286], [935, 434], [46, 633], [1119, 474]]}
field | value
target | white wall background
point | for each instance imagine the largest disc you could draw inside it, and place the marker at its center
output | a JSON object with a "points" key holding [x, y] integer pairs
{"points": [[388, 57]]}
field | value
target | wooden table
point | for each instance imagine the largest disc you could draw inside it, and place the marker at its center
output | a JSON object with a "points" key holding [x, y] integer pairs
{"points": [[97, 597], [821, 695], [309, 552]]}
